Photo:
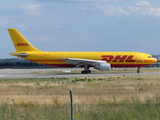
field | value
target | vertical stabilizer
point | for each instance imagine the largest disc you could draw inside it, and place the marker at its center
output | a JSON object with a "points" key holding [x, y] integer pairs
{"points": [[20, 42]]}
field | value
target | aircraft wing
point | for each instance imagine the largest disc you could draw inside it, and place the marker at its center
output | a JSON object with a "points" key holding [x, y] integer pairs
{"points": [[80, 62]]}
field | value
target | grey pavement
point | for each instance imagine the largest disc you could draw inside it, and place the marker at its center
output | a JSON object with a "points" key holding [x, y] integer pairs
{"points": [[27, 73]]}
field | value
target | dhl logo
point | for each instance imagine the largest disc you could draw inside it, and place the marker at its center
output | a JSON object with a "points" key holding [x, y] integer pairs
{"points": [[118, 58], [23, 44]]}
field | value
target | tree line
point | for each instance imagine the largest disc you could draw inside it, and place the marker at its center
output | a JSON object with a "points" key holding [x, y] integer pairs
{"points": [[17, 63]]}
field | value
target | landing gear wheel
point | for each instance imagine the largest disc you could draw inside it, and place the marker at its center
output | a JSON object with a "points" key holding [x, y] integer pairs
{"points": [[86, 71], [138, 71]]}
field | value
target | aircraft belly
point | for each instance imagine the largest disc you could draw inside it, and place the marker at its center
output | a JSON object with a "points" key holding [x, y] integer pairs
{"points": [[128, 65]]}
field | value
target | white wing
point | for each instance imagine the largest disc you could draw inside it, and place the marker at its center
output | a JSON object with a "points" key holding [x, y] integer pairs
{"points": [[80, 62]]}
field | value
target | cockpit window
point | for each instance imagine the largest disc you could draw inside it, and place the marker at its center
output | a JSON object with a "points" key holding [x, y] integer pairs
{"points": [[150, 57]]}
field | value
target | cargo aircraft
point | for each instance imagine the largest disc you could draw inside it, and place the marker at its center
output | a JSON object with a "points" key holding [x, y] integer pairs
{"points": [[103, 61]]}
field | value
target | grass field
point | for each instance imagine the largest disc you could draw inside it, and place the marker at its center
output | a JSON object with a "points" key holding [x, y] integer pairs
{"points": [[89, 89], [124, 97]]}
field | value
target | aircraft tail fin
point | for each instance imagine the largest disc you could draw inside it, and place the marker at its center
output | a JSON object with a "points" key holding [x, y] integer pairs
{"points": [[20, 42]]}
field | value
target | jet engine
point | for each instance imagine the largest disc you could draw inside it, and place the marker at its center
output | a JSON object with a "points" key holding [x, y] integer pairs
{"points": [[102, 66]]}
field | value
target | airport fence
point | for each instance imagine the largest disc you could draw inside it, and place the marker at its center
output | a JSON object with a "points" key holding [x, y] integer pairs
{"points": [[124, 110]]}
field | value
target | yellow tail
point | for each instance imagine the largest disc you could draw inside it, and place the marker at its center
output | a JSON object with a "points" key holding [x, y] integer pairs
{"points": [[20, 42]]}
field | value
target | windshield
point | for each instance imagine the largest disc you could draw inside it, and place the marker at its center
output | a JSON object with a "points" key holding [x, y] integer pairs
{"points": [[150, 57]]}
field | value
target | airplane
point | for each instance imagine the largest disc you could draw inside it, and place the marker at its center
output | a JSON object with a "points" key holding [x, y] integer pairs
{"points": [[103, 61]]}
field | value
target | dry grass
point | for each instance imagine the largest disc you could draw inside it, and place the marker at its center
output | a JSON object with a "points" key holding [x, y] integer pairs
{"points": [[85, 90]]}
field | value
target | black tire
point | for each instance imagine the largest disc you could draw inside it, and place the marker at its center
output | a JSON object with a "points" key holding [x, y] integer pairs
{"points": [[84, 72], [138, 71]]}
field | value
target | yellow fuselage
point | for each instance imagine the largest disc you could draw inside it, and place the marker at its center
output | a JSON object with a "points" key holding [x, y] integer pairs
{"points": [[116, 59]]}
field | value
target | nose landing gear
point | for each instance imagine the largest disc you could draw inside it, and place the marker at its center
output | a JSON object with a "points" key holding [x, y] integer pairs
{"points": [[138, 70]]}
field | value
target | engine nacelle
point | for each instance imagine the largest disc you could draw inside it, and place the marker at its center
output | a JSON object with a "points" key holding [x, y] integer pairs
{"points": [[103, 66]]}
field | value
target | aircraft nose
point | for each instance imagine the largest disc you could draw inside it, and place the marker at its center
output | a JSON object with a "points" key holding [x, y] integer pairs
{"points": [[155, 60]]}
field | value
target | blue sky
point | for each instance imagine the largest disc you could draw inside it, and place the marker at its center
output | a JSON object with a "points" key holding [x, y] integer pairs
{"points": [[82, 25]]}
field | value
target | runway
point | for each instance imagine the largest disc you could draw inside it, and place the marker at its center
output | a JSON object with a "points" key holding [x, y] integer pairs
{"points": [[27, 73]]}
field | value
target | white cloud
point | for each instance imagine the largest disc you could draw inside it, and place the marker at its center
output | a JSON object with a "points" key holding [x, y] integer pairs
{"points": [[112, 10], [4, 21], [32, 8], [154, 11], [143, 3], [151, 11], [21, 25], [55, 26], [141, 8]]}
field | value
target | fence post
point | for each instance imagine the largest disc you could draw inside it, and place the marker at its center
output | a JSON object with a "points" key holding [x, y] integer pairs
{"points": [[72, 105]]}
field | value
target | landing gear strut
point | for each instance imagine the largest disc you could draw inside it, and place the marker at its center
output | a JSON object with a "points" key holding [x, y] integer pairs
{"points": [[138, 70], [86, 70]]}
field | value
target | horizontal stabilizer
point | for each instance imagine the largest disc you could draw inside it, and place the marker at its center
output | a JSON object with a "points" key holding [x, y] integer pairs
{"points": [[19, 54]]}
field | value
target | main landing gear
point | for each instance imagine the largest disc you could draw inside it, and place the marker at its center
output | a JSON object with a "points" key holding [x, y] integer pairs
{"points": [[138, 70], [86, 70]]}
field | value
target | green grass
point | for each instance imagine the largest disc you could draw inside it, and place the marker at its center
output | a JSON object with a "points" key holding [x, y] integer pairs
{"points": [[32, 80], [33, 111], [124, 110]]}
